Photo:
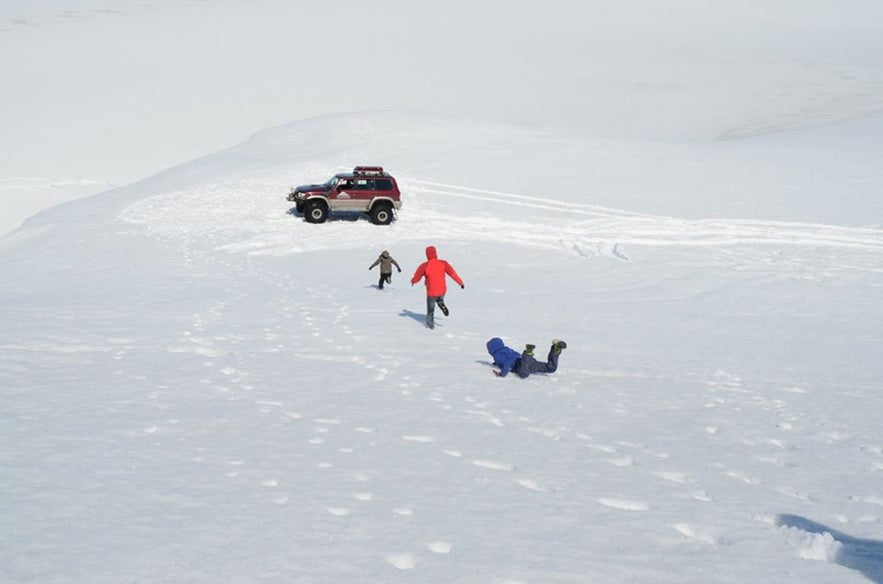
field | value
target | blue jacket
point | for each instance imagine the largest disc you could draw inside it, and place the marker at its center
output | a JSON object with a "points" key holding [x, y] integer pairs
{"points": [[504, 357]]}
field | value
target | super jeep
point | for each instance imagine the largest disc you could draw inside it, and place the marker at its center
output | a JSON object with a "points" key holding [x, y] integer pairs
{"points": [[367, 189]]}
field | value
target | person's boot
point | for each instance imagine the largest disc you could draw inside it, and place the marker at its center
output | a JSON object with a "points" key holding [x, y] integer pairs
{"points": [[444, 308], [528, 350], [558, 345]]}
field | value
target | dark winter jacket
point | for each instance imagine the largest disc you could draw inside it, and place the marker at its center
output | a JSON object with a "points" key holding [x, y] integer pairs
{"points": [[504, 357], [386, 263], [434, 270]]}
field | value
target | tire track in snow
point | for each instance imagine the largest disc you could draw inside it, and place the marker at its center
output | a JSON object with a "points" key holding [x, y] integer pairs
{"points": [[659, 230], [530, 201], [240, 217]]}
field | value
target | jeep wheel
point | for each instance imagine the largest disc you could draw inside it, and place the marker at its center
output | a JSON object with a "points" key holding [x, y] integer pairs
{"points": [[381, 213], [315, 211]]}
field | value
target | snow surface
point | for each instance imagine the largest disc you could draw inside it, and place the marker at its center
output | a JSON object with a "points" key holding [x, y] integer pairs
{"points": [[198, 386], [101, 93]]}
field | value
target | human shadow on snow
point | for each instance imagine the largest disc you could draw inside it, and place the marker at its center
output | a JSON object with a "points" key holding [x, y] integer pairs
{"points": [[421, 318], [862, 555]]}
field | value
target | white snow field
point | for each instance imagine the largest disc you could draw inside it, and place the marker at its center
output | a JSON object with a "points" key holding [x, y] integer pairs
{"points": [[100, 93], [198, 386]]}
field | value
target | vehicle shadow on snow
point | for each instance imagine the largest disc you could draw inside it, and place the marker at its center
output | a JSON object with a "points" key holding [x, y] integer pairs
{"points": [[332, 217], [862, 555], [335, 216]]}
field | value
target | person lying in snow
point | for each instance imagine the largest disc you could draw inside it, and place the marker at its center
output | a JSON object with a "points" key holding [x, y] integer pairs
{"points": [[523, 365]]}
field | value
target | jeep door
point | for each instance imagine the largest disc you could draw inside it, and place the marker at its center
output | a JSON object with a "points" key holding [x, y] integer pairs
{"points": [[363, 191], [345, 194]]}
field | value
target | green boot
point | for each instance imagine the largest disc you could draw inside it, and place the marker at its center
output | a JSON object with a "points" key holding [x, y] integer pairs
{"points": [[558, 345]]}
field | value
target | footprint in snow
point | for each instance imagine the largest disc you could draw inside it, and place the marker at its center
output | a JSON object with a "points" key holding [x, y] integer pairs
{"points": [[674, 477], [423, 439], [602, 448], [530, 484], [493, 465], [741, 476], [624, 504], [439, 547], [548, 433], [702, 496], [622, 461], [795, 493], [402, 561], [691, 532]]}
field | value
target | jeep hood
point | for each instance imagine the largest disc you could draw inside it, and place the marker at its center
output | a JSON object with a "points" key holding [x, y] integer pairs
{"points": [[320, 188]]}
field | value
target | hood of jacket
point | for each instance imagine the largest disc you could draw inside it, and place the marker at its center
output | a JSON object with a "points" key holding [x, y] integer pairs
{"points": [[494, 345], [431, 253], [384, 254]]}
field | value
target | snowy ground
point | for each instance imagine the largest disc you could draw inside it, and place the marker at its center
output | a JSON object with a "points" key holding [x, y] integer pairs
{"points": [[198, 386], [201, 387]]}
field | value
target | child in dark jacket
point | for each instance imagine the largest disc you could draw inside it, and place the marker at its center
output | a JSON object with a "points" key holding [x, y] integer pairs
{"points": [[386, 263], [523, 365]]}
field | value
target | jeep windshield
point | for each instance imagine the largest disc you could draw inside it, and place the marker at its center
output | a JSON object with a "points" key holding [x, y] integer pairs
{"points": [[333, 180]]}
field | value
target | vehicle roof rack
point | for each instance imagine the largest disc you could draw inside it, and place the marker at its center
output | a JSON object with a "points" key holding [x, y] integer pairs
{"points": [[368, 170]]}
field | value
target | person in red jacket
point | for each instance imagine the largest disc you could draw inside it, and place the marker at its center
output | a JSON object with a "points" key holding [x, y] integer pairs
{"points": [[434, 271]]}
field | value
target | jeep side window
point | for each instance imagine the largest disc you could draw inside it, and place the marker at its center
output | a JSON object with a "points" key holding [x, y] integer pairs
{"points": [[363, 184], [383, 185]]}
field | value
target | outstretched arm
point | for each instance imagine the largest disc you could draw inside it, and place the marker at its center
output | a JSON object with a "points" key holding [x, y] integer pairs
{"points": [[377, 261], [396, 264], [449, 270]]}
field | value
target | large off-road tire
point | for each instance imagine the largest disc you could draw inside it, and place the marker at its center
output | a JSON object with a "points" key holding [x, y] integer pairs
{"points": [[381, 213], [315, 211]]}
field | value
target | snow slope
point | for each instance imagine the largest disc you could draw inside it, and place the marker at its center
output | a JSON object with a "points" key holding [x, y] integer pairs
{"points": [[199, 386], [106, 92]]}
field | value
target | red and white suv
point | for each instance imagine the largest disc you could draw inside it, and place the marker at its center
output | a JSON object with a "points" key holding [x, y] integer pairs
{"points": [[367, 189]]}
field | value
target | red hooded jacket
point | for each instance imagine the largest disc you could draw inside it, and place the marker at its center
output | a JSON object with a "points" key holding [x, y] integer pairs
{"points": [[434, 270]]}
